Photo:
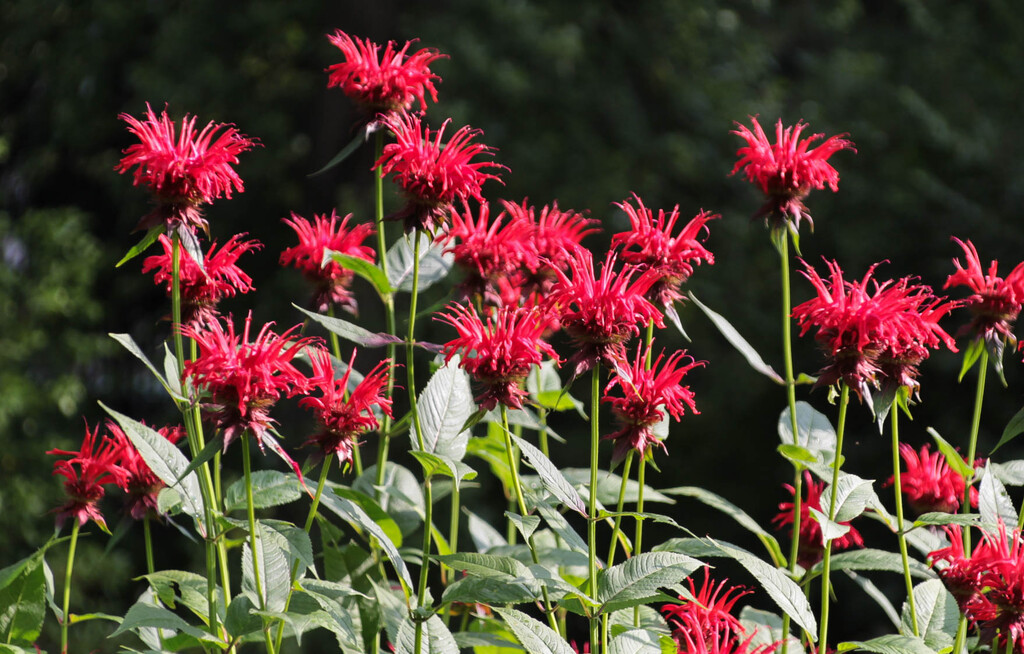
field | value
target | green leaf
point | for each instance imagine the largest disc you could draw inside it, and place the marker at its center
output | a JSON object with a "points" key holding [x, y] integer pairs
{"points": [[738, 342], [141, 615], [401, 497], [23, 604], [561, 527], [481, 642], [938, 518], [434, 464], [274, 572], [876, 594], [673, 317], [1010, 473], [552, 478], [443, 407], [797, 454], [971, 355], [208, 452], [434, 263], [149, 239], [369, 271], [937, 614], [269, 488], [994, 502], [536, 637], [296, 543], [637, 580], [830, 530], [1013, 429], [609, 484], [361, 137], [642, 641], [174, 586], [239, 621], [372, 509], [352, 513], [526, 525], [436, 638], [492, 579], [852, 496], [889, 644], [128, 343], [953, 458], [814, 431], [350, 331], [873, 559], [483, 534], [166, 461]]}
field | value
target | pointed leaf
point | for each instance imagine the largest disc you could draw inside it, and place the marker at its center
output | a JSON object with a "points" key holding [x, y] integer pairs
{"points": [[852, 495], [814, 431], [1013, 429], [638, 580], [642, 641], [368, 270], [274, 573], [436, 638], [1010, 473], [829, 530], [145, 615], [23, 604], [734, 512], [738, 342], [444, 406], [889, 644], [937, 614], [269, 488], [350, 331], [483, 534], [558, 524], [874, 559], [994, 502], [552, 478], [526, 525], [536, 637], [938, 518], [129, 344], [361, 137], [953, 458], [149, 239], [434, 263], [673, 317], [971, 355]]}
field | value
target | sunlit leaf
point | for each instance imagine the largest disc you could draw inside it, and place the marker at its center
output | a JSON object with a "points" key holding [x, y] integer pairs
{"points": [[536, 637], [738, 342]]}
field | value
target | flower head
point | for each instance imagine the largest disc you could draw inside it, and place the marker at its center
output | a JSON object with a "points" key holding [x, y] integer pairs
{"points": [[601, 311], [556, 236], [787, 170], [710, 609], [184, 170], [647, 392], [331, 280], [383, 82], [694, 638], [143, 487], [85, 475], [344, 413], [650, 243], [929, 483], [203, 288], [811, 545], [995, 302], [433, 174], [245, 378], [499, 351]]}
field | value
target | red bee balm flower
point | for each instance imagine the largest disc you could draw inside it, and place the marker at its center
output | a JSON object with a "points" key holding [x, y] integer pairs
{"points": [[203, 288], [787, 170], [996, 302], [433, 174], [383, 83], [331, 279], [710, 609], [600, 313], [646, 391], [183, 170], [650, 244], [85, 474], [499, 352], [929, 483], [245, 379], [344, 415], [811, 547], [142, 486], [556, 236]]}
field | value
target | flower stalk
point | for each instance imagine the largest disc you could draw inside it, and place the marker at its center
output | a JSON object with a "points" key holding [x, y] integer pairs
{"points": [[66, 617], [826, 587], [901, 535]]}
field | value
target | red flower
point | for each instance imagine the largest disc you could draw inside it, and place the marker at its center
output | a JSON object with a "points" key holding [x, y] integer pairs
{"points": [[383, 83], [556, 236], [929, 483], [332, 281], [498, 352], [202, 289], [600, 313], [245, 379], [996, 302], [344, 414], [646, 392], [142, 486], [433, 174], [811, 547], [185, 170], [650, 244], [693, 638], [85, 474], [709, 610], [787, 170]]}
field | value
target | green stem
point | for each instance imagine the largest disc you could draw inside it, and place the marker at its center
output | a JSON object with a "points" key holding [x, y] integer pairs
{"points": [[389, 308], [542, 416], [595, 441], [898, 488], [65, 622], [826, 588], [253, 547], [616, 530], [638, 535], [972, 446]]}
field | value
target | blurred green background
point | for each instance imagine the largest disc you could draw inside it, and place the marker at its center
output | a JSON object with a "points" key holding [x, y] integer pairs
{"points": [[586, 102]]}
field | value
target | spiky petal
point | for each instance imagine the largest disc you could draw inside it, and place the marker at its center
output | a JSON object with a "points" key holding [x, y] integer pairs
{"points": [[85, 475]]}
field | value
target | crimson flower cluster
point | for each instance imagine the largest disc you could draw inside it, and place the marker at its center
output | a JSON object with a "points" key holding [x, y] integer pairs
{"points": [[872, 332], [498, 351], [651, 244], [787, 170], [433, 174], [331, 280], [202, 288], [929, 483], [184, 170], [811, 545], [648, 391], [988, 585], [995, 302], [143, 487], [344, 413], [245, 378], [383, 82]]}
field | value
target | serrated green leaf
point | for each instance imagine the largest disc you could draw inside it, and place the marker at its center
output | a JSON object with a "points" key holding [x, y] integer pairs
{"points": [[436, 638], [738, 342], [892, 644], [150, 238], [490, 591], [443, 407], [552, 478], [938, 518], [239, 621], [852, 496], [637, 580], [873, 559], [526, 525], [642, 641], [141, 615], [1011, 473], [128, 343], [1013, 429], [953, 458], [174, 586], [937, 614], [274, 571], [434, 263], [814, 431], [971, 355], [269, 488], [350, 331], [536, 637], [994, 502], [23, 604], [369, 271], [830, 530], [506, 580]]}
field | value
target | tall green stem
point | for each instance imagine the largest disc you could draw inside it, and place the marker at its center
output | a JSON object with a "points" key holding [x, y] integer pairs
{"points": [[389, 307], [66, 618], [826, 588], [898, 488], [972, 445], [617, 528], [253, 545], [595, 441], [638, 535]]}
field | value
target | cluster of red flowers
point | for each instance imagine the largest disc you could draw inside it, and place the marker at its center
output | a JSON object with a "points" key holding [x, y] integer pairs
{"points": [[872, 332], [811, 545], [929, 483], [100, 462], [988, 585], [704, 623], [995, 302]]}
